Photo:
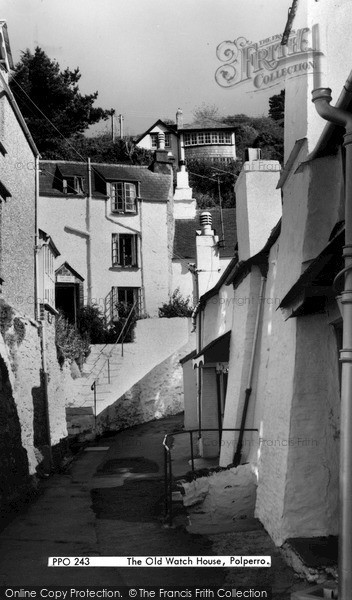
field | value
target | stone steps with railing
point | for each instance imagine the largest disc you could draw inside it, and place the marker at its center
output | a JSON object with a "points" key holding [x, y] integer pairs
{"points": [[115, 374]]}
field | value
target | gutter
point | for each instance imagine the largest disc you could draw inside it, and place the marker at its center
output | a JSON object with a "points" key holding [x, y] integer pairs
{"points": [[338, 116]]}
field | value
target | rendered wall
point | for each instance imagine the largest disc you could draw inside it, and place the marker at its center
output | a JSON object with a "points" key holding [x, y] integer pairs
{"points": [[24, 446], [157, 395], [244, 309], [334, 21], [56, 214], [18, 213]]}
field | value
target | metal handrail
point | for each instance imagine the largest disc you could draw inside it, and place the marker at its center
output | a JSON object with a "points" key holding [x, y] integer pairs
{"points": [[168, 461], [96, 380]]}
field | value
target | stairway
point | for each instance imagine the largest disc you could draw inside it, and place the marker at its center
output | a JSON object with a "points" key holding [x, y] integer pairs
{"points": [[114, 373]]}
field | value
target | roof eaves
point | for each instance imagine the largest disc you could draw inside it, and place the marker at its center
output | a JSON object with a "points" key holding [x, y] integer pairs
{"points": [[243, 267], [19, 116], [158, 122]]}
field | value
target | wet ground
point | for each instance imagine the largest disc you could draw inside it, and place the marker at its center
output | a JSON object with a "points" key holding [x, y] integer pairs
{"points": [[110, 503]]}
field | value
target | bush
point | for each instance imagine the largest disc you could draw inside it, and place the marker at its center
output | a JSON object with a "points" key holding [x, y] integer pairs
{"points": [[178, 306], [125, 325], [91, 324], [70, 344]]}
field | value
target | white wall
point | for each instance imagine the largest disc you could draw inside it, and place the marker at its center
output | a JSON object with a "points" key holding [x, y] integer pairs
{"points": [[335, 23], [55, 214]]}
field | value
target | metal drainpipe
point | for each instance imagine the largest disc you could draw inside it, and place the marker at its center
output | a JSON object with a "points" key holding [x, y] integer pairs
{"points": [[322, 99], [238, 453], [36, 238], [89, 240]]}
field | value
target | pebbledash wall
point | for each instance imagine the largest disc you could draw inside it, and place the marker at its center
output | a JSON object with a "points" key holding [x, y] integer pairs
{"points": [[17, 212]]}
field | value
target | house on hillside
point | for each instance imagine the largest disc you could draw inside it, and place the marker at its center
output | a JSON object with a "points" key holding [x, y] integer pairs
{"points": [[114, 227], [280, 336], [150, 139], [205, 139]]}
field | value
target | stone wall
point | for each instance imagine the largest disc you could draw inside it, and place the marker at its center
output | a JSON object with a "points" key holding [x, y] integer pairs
{"points": [[25, 426], [157, 395], [224, 496]]}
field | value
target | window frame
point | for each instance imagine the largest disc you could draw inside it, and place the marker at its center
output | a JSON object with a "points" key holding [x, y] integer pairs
{"points": [[119, 254], [119, 204]]}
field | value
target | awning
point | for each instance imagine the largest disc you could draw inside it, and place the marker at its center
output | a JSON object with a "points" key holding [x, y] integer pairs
{"points": [[216, 351], [308, 295]]}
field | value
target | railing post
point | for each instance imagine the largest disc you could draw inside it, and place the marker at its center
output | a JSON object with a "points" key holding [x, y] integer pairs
{"points": [[170, 490], [93, 387], [166, 487], [192, 455]]}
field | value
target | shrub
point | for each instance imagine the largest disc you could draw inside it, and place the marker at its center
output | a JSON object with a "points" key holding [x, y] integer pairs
{"points": [[70, 344], [126, 323], [178, 306], [91, 324]]}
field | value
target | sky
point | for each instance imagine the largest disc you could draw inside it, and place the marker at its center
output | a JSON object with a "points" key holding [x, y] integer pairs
{"points": [[147, 58]]}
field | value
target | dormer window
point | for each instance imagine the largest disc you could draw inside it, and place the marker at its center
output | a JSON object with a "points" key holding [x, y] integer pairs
{"points": [[123, 197], [73, 185]]}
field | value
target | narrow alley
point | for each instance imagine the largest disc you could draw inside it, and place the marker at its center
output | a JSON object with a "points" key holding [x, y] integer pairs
{"points": [[110, 503]]}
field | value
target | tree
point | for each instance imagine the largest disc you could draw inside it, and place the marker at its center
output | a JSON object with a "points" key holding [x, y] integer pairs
{"points": [[206, 112], [43, 90], [205, 177], [102, 149], [277, 108]]}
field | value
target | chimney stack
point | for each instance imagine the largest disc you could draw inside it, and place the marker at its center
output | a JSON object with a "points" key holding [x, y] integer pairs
{"points": [[179, 118], [258, 203], [208, 258]]}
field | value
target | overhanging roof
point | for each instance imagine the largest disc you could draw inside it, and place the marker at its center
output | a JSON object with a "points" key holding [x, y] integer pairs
{"points": [[312, 288], [217, 350]]}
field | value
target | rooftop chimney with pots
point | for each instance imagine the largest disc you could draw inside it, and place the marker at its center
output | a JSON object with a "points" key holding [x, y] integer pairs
{"points": [[208, 256]]}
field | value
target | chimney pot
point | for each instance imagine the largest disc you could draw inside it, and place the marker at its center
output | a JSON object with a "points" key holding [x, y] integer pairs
{"points": [[253, 154], [206, 223], [161, 140]]}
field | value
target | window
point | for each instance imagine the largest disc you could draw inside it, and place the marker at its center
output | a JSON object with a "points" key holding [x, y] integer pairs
{"points": [[154, 140], [214, 137], [73, 185], [123, 197], [124, 250], [167, 140], [127, 295]]}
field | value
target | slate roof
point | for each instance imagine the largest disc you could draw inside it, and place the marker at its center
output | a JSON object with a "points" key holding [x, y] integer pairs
{"points": [[206, 124], [154, 187], [185, 233]]}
